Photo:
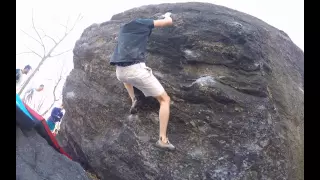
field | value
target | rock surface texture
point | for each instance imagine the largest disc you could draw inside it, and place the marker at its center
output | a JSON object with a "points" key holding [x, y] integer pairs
{"points": [[37, 160], [236, 85]]}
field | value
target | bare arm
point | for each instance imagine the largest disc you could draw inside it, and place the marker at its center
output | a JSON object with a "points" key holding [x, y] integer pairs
{"points": [[167, 21]]}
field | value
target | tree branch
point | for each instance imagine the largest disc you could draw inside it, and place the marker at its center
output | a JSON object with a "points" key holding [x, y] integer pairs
{"points": [[55, 98], [47, 36], [77, 20], [34, 27], [66, 26], [31, 36], [30, 52], [55, 42], [60, 53]]}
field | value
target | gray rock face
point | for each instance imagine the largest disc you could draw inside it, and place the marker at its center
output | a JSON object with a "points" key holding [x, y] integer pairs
{"points": [[236, 85], [37, 160]]}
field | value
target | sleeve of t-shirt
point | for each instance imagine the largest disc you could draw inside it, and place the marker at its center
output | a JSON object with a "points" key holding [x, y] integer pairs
{"points": [[147, 22]]}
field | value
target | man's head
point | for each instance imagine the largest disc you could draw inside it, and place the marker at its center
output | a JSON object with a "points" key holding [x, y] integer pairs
{"points": [[40, 88], [61, 106], [26, 69]]}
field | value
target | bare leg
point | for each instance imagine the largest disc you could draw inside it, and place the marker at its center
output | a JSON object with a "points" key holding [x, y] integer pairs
{"points": [[130, 90], [164, 114]]}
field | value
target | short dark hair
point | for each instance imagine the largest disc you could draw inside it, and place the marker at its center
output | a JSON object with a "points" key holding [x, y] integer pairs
{"points": [[28, 67], [41, 85]]}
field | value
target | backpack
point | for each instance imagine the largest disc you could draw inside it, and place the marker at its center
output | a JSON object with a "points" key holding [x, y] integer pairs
{"points": [[23, 118], [18, 74]]}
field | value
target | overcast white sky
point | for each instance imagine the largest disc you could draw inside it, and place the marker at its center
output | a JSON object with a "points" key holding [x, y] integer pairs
{"points": [[287, 15]]}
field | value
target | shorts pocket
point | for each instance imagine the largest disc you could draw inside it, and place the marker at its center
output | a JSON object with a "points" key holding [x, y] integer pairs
{"points": [[147, 76]]}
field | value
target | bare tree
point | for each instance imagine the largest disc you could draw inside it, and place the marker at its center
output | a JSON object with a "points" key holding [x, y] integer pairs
{"points": [[47, 52]]}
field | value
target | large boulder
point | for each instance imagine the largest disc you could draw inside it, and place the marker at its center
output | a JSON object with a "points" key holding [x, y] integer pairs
{"points": [[236, 85], [37, 160]]}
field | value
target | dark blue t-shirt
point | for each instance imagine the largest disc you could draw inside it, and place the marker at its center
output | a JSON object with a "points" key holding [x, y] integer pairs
{"points": [[132, 41]]}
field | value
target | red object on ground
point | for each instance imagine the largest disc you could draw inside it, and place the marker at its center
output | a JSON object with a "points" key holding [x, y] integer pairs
{"points": [[48, 135]]}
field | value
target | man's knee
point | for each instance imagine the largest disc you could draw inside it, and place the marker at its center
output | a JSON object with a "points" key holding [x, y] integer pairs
{"points": [[163, 98], [166, 98]]}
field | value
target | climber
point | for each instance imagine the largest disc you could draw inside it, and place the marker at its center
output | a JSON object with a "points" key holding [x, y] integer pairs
{"points": [[129, 59], [19, 73], [56, 115]]}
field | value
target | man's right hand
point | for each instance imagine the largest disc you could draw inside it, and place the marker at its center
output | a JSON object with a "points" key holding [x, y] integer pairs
{"points": [[166, 15]]}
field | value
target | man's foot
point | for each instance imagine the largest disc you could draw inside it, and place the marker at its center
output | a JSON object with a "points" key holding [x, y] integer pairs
{"points": [[165, 145], [133, 109]]}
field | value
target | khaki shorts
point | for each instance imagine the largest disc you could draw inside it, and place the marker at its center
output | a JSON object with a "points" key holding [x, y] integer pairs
{"points": [[141, 77]]}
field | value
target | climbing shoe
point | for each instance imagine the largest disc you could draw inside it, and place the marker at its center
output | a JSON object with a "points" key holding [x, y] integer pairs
{"points": [[133, 109], [167, 145]]}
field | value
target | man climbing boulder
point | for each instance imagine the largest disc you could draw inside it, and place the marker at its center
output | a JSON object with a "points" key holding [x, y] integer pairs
{"points": [[236, 109], [129, 59]]}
